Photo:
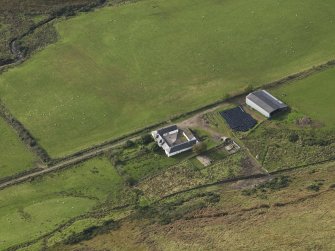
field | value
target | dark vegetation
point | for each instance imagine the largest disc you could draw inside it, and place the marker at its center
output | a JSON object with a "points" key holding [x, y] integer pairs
{"points": [[24, 134], [316, 185], [279, 148], [91, 232], [167, 212], [22, 24], [275, 184]]}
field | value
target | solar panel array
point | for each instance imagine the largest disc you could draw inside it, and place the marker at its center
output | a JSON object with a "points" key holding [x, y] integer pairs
{"points": [[238, 119]]}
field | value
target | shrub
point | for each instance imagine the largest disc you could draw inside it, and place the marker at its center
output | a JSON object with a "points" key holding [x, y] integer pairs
{"points": [[153, 147], [213, 198], [314, 187], [293, 137], [249, 192], [146, 139], [199, 147], [131, 181], [248, 88], [115, 160], [276, 183], [316, 142], [129, 144]]}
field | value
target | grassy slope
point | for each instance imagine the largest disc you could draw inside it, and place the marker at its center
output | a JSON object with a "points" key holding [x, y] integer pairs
{"points": [[306, 222], [313, 96], [32, 209], [121, 68], [13, 154]]}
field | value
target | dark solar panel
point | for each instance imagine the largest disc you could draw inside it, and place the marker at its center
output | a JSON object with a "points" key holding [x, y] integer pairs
{"points": [[238, 119]]}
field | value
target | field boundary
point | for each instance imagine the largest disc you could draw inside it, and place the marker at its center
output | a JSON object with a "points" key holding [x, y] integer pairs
{"points": [[96, 150], [26, 137], [274, 84]]}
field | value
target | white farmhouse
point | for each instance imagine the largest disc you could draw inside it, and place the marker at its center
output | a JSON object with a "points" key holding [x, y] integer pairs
{"points": [[174, 140], [265, 103]]}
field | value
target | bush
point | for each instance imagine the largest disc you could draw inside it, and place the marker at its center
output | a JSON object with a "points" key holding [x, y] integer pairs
{"points": [[131, 181], [293, 137], [276, 183], [213, 198], [248, 88], [199, 147], [129, 144], [314, 187], [146, 139], [115, 160], [249, 192], [153, 147]]}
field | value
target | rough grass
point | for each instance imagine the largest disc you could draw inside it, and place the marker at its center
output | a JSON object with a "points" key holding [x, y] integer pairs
{"points": [[187, 174], [289, 218], [271, 143], [141, 63], [32, 209], [147, 165], [14, 156]]}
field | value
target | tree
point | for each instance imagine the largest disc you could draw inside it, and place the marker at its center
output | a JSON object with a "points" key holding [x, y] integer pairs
{"points": [[199, 147], [146, 139], [153, 147]]}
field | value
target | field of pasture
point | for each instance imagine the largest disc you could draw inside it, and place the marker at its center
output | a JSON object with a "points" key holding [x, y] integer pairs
{"points": [[123, 67], [31, 210], [313, 96], [14, 156]]}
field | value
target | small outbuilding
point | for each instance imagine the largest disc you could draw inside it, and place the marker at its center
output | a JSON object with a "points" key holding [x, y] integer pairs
{"points": [[265, 103]]}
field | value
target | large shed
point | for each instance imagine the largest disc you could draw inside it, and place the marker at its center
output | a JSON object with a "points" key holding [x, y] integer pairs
{"points": [[265, 103]]}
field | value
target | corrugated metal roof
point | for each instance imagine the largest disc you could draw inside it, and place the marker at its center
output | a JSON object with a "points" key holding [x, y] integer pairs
{"points": [[266, 101]]}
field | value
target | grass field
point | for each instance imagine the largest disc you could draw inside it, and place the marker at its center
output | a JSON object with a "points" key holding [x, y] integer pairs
{"points": [[33, 209], [313, 96], [14, 156], [121, 68]]}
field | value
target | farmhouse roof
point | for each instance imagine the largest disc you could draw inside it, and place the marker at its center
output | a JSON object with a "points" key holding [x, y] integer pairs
{"points": [[167, 129], [182, 146], [266, 101]]}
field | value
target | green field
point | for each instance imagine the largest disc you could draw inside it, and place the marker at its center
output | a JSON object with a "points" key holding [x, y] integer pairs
{"points": [[121, 68], [33, 209], [14, 156], [313, 96]]}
